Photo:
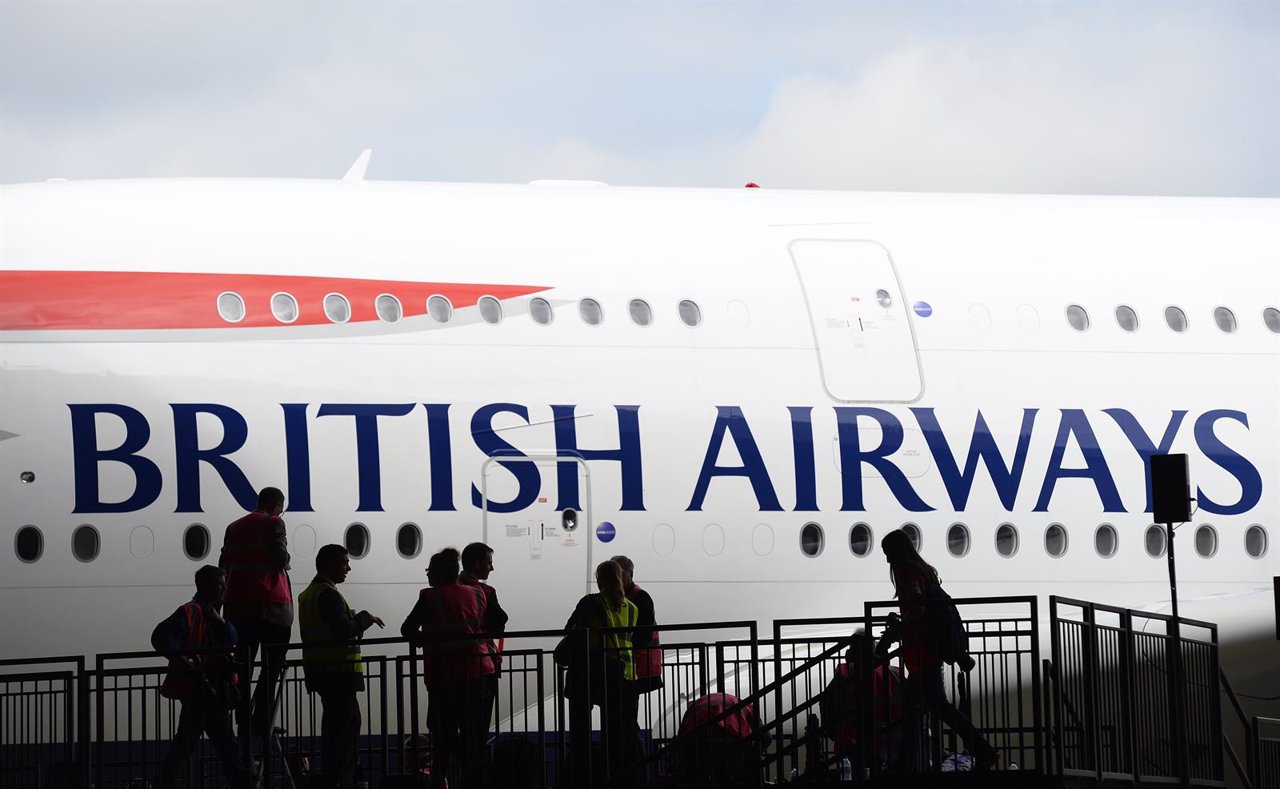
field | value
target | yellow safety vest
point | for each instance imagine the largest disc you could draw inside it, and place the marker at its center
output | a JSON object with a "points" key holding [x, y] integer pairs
{"points": [[618, 645], [314, 630]]}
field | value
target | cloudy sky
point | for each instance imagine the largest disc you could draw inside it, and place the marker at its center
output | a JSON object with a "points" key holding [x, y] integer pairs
{"points": [[1082, 97]]}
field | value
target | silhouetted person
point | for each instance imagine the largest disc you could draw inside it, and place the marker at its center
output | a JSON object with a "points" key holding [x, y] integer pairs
{"points": [[255, 554], [916, 585], [202, 683], [717, 746], [648, 653], [842, 707], [612, 667], [477, 564], [335, 671], [447, 622]]}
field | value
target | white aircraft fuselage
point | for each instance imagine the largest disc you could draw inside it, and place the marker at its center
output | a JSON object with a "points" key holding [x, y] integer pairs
{"points": [[874, 359]]}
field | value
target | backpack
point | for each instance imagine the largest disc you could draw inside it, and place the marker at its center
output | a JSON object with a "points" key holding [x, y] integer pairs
{"points": [[944, 621]]}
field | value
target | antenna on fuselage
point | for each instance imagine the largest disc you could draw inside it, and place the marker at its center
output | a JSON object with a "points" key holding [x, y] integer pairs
{"points": [[355, 174]]}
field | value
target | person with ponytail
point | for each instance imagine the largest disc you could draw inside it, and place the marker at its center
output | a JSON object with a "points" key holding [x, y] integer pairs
{"points": [[918, 590], [611, 666]]}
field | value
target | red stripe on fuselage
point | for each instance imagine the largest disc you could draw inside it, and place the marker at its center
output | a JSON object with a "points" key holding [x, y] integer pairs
{"points": [[87, 300]]}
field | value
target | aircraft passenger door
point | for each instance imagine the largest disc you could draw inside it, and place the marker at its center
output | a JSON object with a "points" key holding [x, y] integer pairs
{"points": [[542, 554], [866, 347]]}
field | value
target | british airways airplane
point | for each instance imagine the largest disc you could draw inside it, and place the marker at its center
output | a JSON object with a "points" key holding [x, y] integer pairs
{"points": [[743, 390]]}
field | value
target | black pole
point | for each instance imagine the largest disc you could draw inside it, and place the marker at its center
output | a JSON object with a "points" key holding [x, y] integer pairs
{"points": [[1176, 695]]}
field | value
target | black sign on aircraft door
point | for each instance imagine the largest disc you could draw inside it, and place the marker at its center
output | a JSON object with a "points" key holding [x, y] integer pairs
{"points": [[542, 553], [861, 326]]}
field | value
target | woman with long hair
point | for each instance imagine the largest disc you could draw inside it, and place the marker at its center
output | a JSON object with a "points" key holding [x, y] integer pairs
{"points": [[916, 586], [612, 666]]}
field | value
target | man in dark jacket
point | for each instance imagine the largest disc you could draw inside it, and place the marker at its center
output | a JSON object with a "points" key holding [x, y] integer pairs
{"points": [[201, 682], [333, 666]]}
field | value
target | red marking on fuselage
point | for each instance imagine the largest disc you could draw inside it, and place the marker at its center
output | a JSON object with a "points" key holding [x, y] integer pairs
{"points": [[91, 300]]}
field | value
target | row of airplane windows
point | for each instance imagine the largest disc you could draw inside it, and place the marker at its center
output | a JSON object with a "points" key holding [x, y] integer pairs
{"points": [[1106, 540], [197, 542], [1174, 317], [337, 308]]}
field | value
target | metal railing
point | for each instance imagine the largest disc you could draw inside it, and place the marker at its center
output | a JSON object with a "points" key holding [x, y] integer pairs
{"points": [[1117, 705], [1099, 707], [42, 725]]}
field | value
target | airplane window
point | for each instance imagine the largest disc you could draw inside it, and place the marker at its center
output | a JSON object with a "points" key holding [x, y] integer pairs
{"points": [[440, 309], [409, 540], [569, 519], [641, 314], [1077, 317], [540, 311], [1127, 318], [1206, 540], [1255, 541], [958, 539], [1105, 541], [913, 531], [1055, 540], [337, 308], [85, 543], [195, 542], [1155, 540], [590, 311], [284, 307], [28, 543], [1226, 319], [860, 543], [357, 540], [231, 307], [691, 313], [1176, 319], [812, 540], [1007, 540], [388, 308], [490, 309], [1271, 317], [884, 299]]}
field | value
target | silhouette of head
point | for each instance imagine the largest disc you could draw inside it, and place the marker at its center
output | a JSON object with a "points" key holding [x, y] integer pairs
{"points": [[333, 562], [443, 569], [628, 571], [477, 559], [271, 501], [211, 583], [609, 581]]}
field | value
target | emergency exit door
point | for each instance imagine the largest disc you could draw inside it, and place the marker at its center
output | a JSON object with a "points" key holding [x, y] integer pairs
{"points": [[861, 325], [542, 553]]}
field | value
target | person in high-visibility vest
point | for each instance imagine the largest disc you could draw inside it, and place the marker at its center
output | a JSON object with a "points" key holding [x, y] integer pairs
{"points": [[647, 647], [202, 682], [477, 564], [255, 554], [332, 664], [447, 622], [611, 668]]}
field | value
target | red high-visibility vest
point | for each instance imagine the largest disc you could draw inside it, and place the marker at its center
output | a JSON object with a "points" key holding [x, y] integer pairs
{"points": [[177, 681], [455, 610], [495, 650], [704, 709], [252, 575], [648, 659]]}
